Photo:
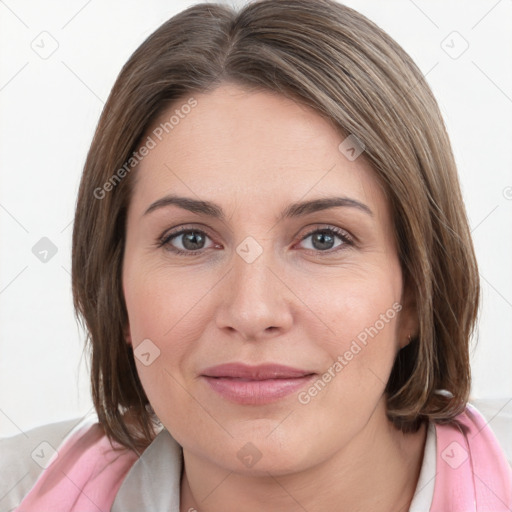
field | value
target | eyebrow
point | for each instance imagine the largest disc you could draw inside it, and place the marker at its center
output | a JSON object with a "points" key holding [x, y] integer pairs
{"points": [[297, 209]]}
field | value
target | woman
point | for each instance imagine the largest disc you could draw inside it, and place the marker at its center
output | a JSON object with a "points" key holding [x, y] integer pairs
{"points": [[272, 259]]}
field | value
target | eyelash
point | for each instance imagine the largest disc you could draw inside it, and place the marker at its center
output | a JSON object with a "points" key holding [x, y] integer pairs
{"points": [[165, 240]]}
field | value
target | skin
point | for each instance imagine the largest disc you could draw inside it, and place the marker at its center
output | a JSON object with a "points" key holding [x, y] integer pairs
{"points": [[254, 153]]}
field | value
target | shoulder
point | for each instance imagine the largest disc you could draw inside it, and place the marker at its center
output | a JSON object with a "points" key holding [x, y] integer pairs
{"points": [[497, 413], [485, 426], [24, 456], [471, 465], [33, 464]]}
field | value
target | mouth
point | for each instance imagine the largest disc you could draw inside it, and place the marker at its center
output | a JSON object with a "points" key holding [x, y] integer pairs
{"points": [[255, 385]]}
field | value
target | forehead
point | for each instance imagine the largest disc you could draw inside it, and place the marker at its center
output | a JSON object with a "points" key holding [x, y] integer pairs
{"points": [[257, 148]]}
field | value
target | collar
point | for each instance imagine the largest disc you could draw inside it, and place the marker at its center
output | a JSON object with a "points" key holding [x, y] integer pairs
{"points": [[153, 482]]}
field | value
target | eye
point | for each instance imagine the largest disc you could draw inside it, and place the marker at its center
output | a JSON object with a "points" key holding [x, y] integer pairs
{"points": [[191, 240], [323, 240]]}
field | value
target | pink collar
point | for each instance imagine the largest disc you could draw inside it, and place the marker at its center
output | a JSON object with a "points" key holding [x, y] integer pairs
{"points": [[472, 473], [83, 476]]}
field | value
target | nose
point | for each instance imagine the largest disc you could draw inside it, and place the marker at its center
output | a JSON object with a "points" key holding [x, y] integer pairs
{"points": [[256, 302]]}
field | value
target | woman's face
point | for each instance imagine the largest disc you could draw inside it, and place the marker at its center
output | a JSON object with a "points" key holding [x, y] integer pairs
{"points": [[255, 280]]}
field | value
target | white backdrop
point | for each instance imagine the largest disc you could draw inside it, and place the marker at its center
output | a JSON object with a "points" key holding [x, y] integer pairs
{"points": [[58, 63]]}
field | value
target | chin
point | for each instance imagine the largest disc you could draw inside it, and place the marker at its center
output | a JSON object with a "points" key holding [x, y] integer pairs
{"points": [[260, 454]]}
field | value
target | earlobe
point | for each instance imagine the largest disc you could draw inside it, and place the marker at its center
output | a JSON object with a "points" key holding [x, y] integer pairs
{"points": [[407, 340], [127, 335], [409, 319], [409, 325]]}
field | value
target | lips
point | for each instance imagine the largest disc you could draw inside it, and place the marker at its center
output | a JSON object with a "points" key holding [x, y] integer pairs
{"points": [[255, 385], [260, 372]]}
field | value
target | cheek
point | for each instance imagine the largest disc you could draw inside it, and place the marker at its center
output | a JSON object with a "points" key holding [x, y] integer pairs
{"points": [[359, 334], [161, 302], [358, 308], [166, 317]]}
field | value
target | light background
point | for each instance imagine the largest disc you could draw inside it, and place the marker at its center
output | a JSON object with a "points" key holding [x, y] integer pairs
{"points": [[49, 108]]}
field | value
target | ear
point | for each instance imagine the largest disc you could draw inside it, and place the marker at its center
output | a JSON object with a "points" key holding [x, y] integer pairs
{"points": [[409, 324], [127, 334]]}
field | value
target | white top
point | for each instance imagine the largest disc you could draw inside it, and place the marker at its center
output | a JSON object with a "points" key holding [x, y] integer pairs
{"points": [[424, 493]]}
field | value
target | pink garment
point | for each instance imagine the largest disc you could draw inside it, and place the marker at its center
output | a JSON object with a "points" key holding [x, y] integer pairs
{"points": [[84, 477], [472, 474]]}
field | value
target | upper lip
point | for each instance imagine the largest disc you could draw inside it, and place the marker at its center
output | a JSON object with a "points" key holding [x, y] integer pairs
{"points": [[260, 372]]}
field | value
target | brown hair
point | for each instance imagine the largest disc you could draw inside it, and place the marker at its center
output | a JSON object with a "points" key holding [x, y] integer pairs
{"points": [[335, 60]]}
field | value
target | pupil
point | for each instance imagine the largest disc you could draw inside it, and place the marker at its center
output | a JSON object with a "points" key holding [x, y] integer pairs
{"points": [[191, 239], [321, 237]]}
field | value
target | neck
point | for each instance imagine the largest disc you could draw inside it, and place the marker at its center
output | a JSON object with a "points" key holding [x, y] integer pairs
{"points": [[378, 470]]}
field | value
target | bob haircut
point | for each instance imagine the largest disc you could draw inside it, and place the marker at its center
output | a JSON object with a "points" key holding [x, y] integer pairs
{"points": [[331, 58]]}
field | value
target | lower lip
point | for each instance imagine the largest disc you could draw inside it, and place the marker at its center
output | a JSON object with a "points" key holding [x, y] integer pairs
{"points": [[255, 392]]}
